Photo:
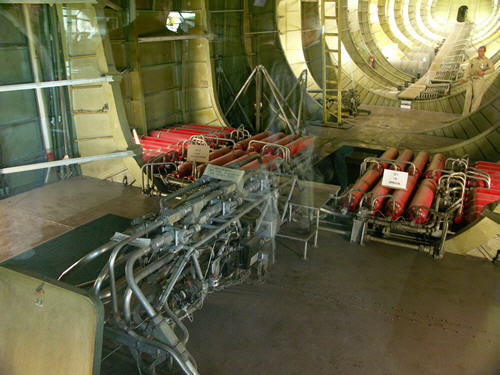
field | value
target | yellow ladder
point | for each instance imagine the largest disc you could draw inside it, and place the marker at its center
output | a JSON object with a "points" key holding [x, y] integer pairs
{"points": [[331, 13]]}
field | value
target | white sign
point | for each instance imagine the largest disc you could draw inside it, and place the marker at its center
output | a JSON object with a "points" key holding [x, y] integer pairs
{"points": [[198, 153], [223, 173], [394, 179], [406, 104]]}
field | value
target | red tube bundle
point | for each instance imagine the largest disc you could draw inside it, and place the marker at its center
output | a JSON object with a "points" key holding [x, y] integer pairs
{"points": [[174, 139], [299, 145], [242, 145], [281, 142], [271, 139], [379, 192], [396, 205], [365, 182], [185, 168]]}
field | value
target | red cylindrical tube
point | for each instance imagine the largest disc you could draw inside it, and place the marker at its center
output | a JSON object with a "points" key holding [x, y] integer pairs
{"points": [[377, 199], [418, 210], [218, 153], [420, 161], [395, 206], [272, 138], [158, 141], [172, 137], [186, 131], [185, 168], [255, 163], [221, 160], [282, 141], [299, 145], [437, 163], [186, 124], [406, 155], [241, 158], [389, 154], [242, 145], [361, 186], [160, 147]]}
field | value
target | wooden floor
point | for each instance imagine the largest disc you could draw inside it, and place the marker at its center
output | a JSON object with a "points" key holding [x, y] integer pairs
{"points": [[41, 214]]}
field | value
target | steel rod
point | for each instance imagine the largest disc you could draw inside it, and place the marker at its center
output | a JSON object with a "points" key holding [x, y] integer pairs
{"points": [[58, 163], [40, 98], [152, 39], [65, 82]]}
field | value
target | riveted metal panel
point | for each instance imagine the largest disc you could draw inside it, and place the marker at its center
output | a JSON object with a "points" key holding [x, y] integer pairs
{"points": [[164, 77], [20, 135]]}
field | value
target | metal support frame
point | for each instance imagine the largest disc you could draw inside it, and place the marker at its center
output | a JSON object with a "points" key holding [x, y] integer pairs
{"points": [[261, 75], [225, 80]]}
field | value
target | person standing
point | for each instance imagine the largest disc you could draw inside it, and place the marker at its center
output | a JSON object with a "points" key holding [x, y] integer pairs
{"points": [[474, 76]]}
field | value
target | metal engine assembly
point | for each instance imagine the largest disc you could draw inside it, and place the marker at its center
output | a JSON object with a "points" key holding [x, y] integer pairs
{"points": [[162, 268]]}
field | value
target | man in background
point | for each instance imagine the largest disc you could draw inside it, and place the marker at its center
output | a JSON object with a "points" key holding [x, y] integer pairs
{"points": [[474, 76]]}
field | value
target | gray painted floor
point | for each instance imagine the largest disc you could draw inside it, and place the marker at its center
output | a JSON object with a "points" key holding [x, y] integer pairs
{"points": [[347, 310], [386, 127], [355, 310]]}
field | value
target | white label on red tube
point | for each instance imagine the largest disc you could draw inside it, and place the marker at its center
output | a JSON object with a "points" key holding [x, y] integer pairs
{"points": [[198, 153], [223, 173], [394, 179]]}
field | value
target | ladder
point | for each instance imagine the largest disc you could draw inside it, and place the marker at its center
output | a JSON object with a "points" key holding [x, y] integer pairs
{"points": [[331, 72]]}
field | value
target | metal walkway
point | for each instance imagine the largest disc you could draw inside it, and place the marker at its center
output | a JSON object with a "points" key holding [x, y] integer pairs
{"points": [[456, 40]]}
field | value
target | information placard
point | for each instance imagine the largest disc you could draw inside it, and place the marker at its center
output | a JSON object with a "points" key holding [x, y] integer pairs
{"points": [[198, 153], [394, 179], [406, 104], [223, 173]]}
